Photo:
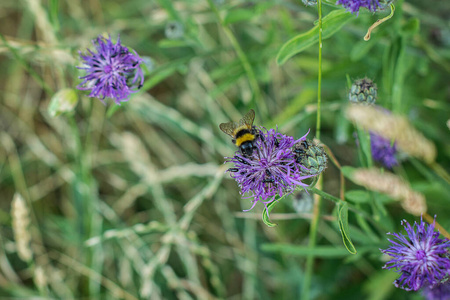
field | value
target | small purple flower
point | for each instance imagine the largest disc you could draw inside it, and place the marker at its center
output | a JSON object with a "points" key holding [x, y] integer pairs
{"points": [[382, 150], [112, 71], [421, 258], [353, 6], [271, 170], [440, 291]]}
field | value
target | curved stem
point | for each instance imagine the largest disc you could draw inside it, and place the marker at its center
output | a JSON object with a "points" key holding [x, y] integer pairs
{"points": [[378, 22]]}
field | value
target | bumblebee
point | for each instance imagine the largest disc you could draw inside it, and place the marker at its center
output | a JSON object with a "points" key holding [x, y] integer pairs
{"points": [[244, 134]]}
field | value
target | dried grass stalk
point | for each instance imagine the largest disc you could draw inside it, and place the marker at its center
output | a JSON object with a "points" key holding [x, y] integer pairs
{"points": [[394, 186], [20, 223], [393, 127]]}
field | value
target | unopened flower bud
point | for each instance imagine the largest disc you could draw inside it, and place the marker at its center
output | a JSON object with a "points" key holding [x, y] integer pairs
{"points": [[64, 101], [363, 91]]}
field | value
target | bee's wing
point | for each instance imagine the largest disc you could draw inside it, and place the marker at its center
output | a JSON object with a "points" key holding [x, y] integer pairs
{"points": [[229, 128], [248, 119]]}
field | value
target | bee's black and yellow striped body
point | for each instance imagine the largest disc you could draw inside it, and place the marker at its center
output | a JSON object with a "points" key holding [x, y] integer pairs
{"points": [[243, 134]]}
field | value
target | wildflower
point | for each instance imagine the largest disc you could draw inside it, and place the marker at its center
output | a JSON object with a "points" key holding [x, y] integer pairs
{"points": [[421, 258], [440, 291], [271, 170], [113, 71], [353, 6], [383, 151]]}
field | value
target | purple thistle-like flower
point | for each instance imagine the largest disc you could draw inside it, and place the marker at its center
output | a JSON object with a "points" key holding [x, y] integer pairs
{"points": [[421, 258], [382, 150], [271, 170], [353, 6], [112, 71], [439, 291]]}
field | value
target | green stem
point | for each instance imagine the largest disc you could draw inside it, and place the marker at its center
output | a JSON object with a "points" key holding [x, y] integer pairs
{"points": [[318, 201], [319, 79], [350, 206], [262, 109], [312, 243]]}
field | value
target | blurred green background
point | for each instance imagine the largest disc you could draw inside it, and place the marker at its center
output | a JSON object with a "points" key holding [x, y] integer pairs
{"points": [[132, 202]]}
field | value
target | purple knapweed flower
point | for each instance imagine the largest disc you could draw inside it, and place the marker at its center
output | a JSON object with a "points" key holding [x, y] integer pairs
{"points": [[271, 170], [421, 258], [113, 70], [383, 151], [353, 6], [440, 291]]}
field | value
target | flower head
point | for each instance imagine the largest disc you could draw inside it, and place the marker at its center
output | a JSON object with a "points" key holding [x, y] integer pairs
{"points": [[421, 257], [271, 170], [440, 291], [112, 70], [383, 151], [353, 6]]}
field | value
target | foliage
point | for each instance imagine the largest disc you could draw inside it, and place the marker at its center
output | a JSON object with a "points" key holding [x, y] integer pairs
{"points": [[133, 202]]}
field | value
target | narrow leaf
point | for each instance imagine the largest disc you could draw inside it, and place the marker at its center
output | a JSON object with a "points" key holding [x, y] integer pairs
{"points": [[358, 196], [331, 24], [343, 226], [266, 212], [364, 144], [348, 172]]}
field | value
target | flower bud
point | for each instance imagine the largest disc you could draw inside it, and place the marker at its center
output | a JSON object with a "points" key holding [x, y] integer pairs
{"points": [[309, 2], [363, 91], [63, 101], [310, 156]]}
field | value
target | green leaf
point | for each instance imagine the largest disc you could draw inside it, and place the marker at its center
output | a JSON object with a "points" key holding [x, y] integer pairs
{"points": [[265, 214], [348, 172], [364, 144], [331, 24], [358, 196], [319, 251], [343, 226]]}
